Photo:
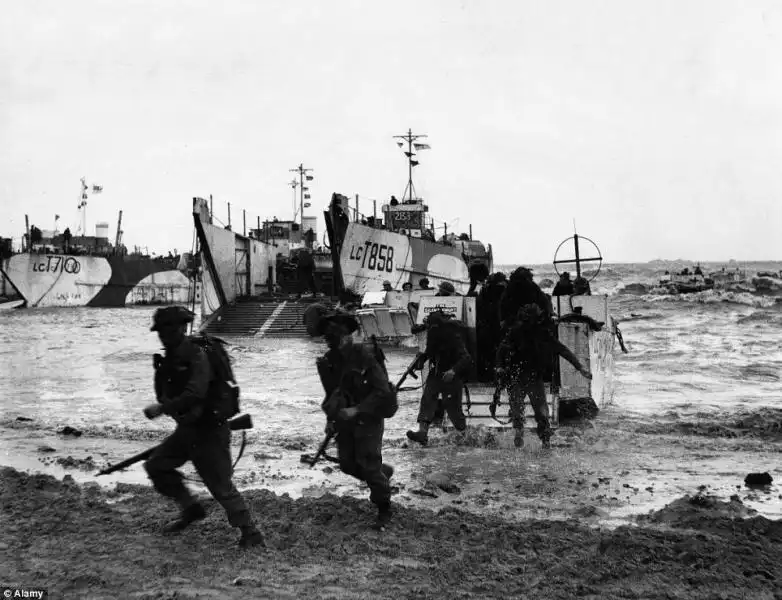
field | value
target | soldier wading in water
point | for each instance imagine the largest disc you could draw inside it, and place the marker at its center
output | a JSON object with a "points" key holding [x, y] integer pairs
{"points": [[358, 399], [523, 360], [450, 365], [187, 390]]}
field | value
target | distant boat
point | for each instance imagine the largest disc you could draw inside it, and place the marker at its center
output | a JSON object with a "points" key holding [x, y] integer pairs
{"points": [[735, 279], [768, 283], [686, 281]]}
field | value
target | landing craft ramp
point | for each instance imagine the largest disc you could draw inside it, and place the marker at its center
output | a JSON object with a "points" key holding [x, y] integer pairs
{"points": [[594, 350], [478, 395], [584, 325]]}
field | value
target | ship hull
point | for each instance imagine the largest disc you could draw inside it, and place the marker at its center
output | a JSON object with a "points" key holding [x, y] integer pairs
{"points": [[55, 280], [370, 256]]}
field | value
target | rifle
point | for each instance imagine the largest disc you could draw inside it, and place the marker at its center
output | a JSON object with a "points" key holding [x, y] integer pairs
{"points": [[321, 451], [238, 423], [322, 371], [411, 369]]}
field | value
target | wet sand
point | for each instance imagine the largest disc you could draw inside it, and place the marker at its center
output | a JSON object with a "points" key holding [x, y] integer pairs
{"points": [[80, 541], [609, 470], [619, 508]]}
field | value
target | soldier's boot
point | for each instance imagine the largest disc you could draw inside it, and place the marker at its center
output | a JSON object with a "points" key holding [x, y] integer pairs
{"points": [[251, 537], [421, 436], [191, 514], [388, 471], [384, 514], [545, 439], [518, 439]]}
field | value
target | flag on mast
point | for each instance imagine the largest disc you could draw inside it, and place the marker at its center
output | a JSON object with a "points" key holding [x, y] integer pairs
{"points": [[97, 189]]}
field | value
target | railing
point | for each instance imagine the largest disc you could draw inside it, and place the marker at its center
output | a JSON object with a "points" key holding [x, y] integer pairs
{"points": [[229, 216], [429, 224]]}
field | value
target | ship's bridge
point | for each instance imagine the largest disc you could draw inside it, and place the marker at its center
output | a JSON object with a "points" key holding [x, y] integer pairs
{"points": [[407, 217]]}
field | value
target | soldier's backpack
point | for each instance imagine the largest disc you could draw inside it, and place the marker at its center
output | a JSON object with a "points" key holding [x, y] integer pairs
{"points": [[223, 390], [335, 396], [380, 357]]}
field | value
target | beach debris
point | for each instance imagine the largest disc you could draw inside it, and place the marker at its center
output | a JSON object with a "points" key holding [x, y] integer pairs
{"points": [[266, 456], [425, 492], [442, 480], [68, 430], [758, 480]]}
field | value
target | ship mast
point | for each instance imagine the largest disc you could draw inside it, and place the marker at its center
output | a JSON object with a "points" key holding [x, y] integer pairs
{"points": [[410, 139], [83, 206], [303, 191], [119, 230]]}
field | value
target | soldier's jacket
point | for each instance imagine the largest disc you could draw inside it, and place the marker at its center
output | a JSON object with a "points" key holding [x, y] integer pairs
{"points": [[351, 376], [521, 292], [182, 381], [446, 350], [529, 352]]}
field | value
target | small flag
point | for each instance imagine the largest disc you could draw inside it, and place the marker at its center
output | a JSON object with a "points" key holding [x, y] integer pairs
{"points": [[306, 189], [97, 189], [310, 178], [307, 196], [422, 146], [307, 205], [56, 217], [83, 184], [400, 144], [414, 162], [409, 154], [84, 197]]}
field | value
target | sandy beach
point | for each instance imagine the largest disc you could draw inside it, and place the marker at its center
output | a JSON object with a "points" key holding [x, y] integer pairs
{"points": [[573, 522]]}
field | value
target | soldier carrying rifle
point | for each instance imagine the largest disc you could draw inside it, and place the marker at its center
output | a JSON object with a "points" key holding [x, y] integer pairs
{"points": [[358, 399], [523, 359], [201, 401]]}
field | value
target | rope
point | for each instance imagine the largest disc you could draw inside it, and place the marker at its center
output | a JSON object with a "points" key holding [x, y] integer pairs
{"points": [[493, 413], [619, 337], [508, 422]]}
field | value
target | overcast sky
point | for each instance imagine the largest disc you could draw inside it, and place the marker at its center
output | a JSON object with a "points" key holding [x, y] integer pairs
{"points": [[656, 125]]}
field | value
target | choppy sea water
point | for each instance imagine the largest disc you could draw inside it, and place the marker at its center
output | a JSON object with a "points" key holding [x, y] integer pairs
{"points": [[689, 356]]}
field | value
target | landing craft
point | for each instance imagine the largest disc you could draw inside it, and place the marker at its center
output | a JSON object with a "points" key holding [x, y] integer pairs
{"points": [[57, 269], [584, 325], [401, 246]]}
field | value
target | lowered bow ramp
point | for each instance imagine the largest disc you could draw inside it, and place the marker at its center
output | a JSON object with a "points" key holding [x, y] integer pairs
{"points": [[235, 266], [275, 319]]}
